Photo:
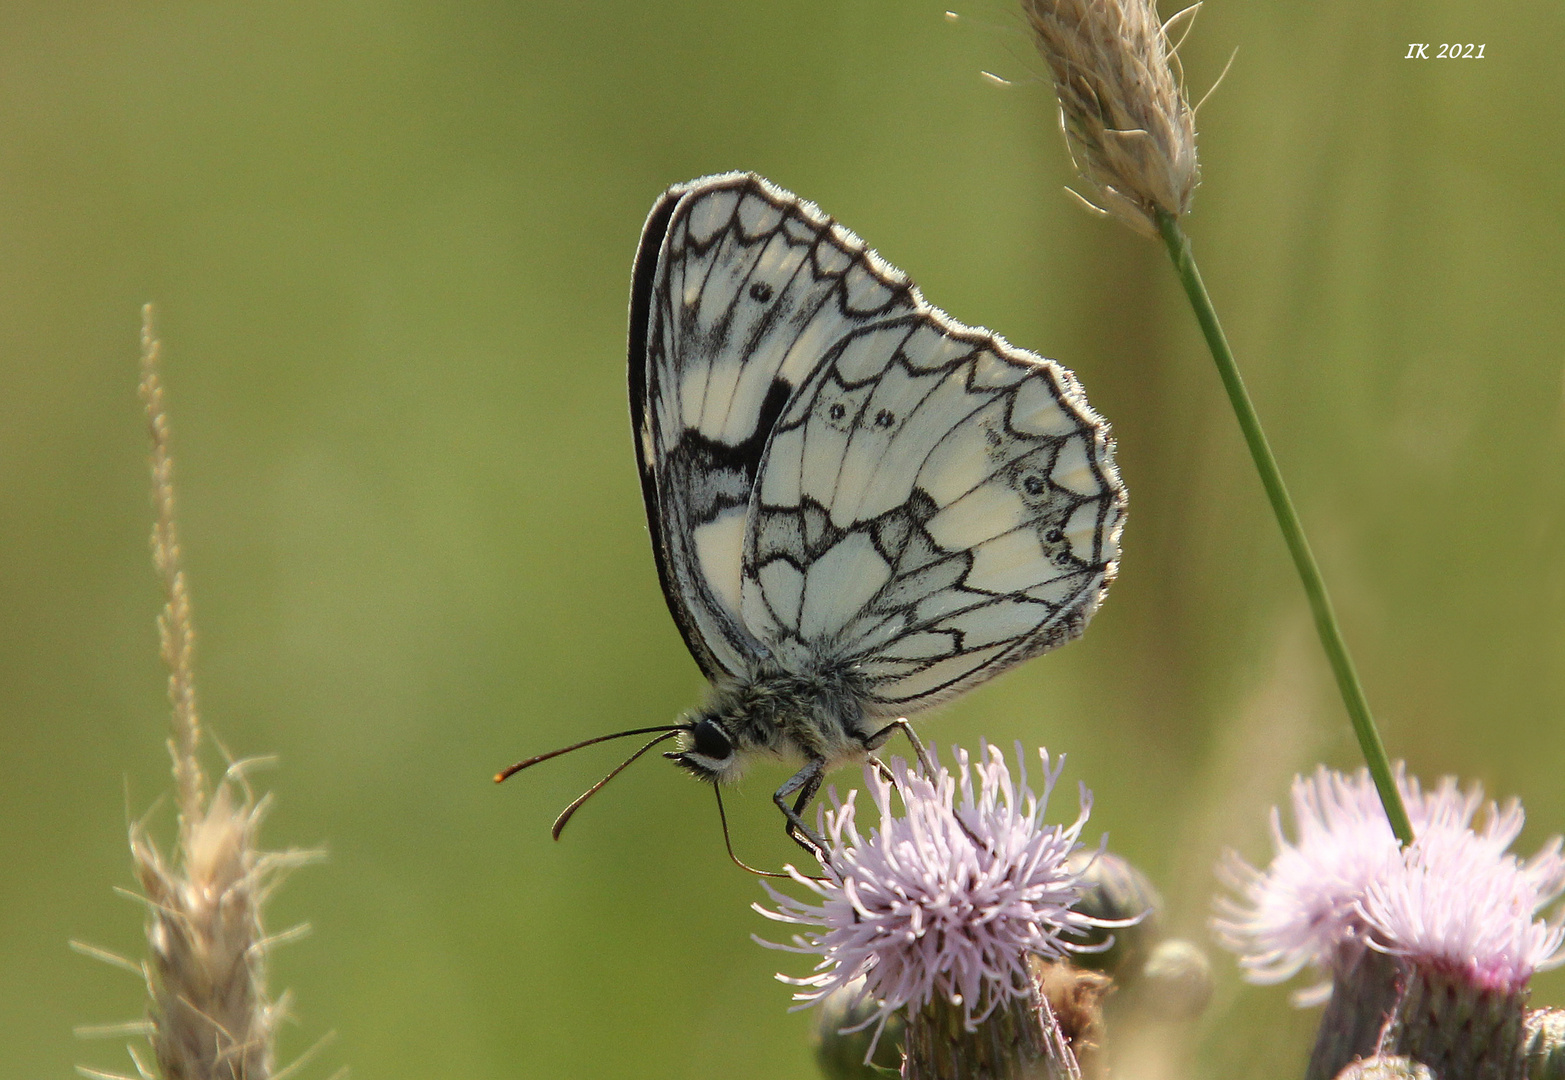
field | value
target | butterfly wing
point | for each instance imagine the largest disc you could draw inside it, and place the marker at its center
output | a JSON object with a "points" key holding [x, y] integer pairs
{"points": [[739, 290], [934, 506]]}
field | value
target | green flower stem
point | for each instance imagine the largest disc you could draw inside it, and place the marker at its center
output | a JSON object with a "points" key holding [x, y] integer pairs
{"points": [[1293, 533]]}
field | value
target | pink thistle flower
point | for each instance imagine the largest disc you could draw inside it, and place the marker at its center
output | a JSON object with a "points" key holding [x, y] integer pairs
{"points": [[1345, 883], [1461, 904], [1300, 910], [948, 900]]}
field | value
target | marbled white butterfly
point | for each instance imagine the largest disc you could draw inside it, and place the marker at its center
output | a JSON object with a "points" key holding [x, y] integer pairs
{"points": [[859, 507]]}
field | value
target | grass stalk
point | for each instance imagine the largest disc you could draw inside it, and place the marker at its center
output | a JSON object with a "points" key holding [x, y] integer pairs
{"points": [[1326, 625]]}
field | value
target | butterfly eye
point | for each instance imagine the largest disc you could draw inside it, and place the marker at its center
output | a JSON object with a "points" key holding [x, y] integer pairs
{"points": [[712, 741], [761, 291]]}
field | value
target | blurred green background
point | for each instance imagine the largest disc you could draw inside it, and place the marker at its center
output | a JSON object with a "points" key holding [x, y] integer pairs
{"points": [[390, 246]]}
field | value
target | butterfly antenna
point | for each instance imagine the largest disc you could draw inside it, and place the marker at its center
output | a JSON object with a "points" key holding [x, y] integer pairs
{"points": [[565, 815], [505, 774], [729, 844]]}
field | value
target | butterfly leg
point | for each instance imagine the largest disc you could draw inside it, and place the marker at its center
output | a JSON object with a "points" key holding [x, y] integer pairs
{"points": [[807, 781], [925, 763], [901, 724]]}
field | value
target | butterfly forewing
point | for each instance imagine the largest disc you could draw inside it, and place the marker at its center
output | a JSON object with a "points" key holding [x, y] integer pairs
{"points": [[837, 474], [740, 289]]}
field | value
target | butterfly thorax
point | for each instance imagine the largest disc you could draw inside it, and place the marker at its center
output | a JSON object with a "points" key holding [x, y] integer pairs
{"points": [[813, 715]]}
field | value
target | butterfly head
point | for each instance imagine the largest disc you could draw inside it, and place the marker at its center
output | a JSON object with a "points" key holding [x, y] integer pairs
{"points": [[707, 750]]}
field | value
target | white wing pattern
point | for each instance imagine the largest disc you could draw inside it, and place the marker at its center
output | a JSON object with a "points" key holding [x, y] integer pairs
{"points": [[837, 473]]}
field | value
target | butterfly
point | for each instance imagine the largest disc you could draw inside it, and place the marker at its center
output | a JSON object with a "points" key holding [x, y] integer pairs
{"points": [[859, 507]]}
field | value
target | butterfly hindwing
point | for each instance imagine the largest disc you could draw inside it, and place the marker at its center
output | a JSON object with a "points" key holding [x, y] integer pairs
{"points": [[739, 290], [933, 507]]}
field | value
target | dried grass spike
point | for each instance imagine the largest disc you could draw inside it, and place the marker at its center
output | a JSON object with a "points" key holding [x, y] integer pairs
{"points": [[176, 635], [1129, 128], [210, 1016]]}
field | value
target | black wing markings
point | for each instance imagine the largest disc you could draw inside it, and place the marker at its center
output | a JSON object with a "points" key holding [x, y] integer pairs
{"points": [[643, 277], [690, 478], [890, 630]]}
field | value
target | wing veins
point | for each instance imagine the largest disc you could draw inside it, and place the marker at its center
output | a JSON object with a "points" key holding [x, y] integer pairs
{"points": [[858, 426], [716, 241], [768, 320]]}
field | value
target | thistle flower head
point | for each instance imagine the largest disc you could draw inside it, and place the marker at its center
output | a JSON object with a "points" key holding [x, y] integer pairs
{"points": [[1460, 903], [1125, 117], [1300, 910], [948, 900], [1456, 897]]}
